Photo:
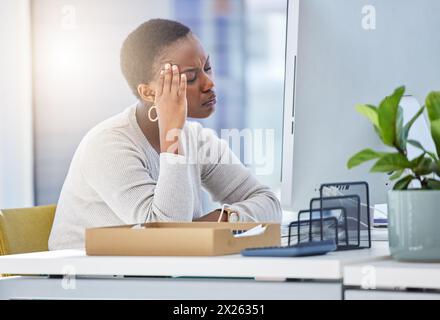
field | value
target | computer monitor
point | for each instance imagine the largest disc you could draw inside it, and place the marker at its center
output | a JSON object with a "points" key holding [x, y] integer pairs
{"points": [[341, 53]]}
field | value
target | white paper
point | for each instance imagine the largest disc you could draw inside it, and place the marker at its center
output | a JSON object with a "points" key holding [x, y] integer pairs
{"points": [[138, 226], [252, 232]]}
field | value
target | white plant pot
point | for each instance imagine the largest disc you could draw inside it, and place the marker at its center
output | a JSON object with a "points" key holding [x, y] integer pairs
{"points": [[414, 225]]}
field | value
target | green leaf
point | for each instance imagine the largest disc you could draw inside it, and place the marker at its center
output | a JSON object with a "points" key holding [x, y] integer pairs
{"points": [[401, 137], [433, 184], [415, 162], [413, 119], [433, 105], [435, 167], [388, 114], [370, 112], [391, 162], [407, 127], [435, 133], [424, 167], [363, 156], [403, 183], [377, 129], [397, 174], [418, 145]]}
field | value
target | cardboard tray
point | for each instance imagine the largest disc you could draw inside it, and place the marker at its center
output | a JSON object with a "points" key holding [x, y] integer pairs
{"points": [[177, 239]]}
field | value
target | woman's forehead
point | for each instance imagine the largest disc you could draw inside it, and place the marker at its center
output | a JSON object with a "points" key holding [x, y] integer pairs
{"points": [[186, 53]]}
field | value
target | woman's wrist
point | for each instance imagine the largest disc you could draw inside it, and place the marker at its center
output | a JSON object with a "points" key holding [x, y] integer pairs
{"points": [[169, 147], [213, 217], [169, 141]]}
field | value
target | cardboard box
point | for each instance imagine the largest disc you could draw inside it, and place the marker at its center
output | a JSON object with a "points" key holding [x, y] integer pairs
{"points": [[177, 239]]}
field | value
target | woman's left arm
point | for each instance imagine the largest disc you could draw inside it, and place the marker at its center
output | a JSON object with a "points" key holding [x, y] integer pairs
{"points": [[229, 181]]}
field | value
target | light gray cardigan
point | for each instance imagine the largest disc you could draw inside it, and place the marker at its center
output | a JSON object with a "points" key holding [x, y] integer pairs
{"points": [[116, 178]]}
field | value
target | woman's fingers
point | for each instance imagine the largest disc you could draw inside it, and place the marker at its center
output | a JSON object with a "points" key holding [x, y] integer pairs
{"points": [[176, 80], [160, 83], [167, 78], [182, 87], [171, 81]]}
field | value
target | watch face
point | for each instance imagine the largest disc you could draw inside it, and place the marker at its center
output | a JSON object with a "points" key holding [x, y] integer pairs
{"points": [[233, 217]]}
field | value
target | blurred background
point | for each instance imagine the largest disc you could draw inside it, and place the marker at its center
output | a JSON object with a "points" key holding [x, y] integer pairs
{"points": [[60, 76]]}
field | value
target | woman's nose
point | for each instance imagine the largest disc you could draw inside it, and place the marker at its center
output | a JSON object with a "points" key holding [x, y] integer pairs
{"points": [[207, 83]]}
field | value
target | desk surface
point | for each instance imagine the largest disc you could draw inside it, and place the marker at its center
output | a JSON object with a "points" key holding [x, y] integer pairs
{"points": [[326, 267], [389, 273]]}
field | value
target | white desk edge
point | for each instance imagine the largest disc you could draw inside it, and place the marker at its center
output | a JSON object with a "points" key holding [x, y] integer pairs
{"points": [[327, 267], [389, 273]]}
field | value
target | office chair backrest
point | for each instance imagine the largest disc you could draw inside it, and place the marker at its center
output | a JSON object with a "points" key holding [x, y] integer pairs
{"points": [[25, 230]]}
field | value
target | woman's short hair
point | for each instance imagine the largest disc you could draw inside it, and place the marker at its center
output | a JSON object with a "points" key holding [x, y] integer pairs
{"points": [[143, 45]]}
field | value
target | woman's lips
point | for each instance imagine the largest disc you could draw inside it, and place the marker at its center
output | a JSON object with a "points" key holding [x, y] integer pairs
{"points": [[210, 102]]}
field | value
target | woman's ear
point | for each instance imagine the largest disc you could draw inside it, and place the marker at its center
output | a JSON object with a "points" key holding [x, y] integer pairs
{"points": [[146, 92]]}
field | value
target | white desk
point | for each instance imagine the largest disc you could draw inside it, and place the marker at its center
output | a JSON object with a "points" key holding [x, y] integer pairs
{"points": [[225, 277], [390, 279]]}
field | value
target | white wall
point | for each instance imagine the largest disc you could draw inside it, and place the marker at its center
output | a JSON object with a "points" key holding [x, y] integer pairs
{"points": [[16, 160]]}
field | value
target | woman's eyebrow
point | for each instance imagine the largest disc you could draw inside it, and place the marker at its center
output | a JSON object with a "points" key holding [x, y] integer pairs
{"points": [[191, 69], [195, 69]]}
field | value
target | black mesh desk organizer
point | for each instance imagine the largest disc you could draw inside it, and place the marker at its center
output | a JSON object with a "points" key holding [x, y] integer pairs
{"points": [[341, 212]]}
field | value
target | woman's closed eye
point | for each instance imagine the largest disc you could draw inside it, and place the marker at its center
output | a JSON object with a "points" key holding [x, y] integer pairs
{"points": [[192, 75]]}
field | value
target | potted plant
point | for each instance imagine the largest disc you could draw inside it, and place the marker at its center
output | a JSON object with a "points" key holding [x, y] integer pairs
{"points": [[414, 202]]}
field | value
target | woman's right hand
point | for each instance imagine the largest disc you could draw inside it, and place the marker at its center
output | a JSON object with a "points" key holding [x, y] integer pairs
{"points": [[171, 106]]}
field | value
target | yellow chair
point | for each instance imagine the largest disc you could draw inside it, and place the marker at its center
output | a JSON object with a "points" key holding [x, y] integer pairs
{"points": [[25, 230]]}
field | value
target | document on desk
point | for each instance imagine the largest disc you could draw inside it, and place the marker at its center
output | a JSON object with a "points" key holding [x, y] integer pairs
{"points": [[251, 232], [248, 233]]}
